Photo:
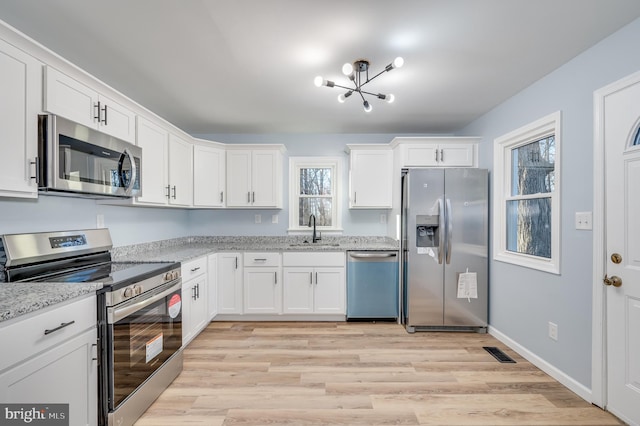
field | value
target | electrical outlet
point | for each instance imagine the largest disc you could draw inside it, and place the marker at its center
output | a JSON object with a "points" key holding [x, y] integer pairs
{"points": [[553, 331], [258, 218], [99, 221], [274, 218], [383, 218]]}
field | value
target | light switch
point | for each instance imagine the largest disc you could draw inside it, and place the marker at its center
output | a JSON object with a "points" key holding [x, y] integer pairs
{"points": [[584, 220]]}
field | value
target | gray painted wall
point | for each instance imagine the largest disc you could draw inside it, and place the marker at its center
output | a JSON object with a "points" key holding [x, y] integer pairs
{"points": [[523, 301]]}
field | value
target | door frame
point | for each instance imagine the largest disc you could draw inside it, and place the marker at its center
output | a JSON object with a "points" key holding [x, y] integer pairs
{"points": [[599, 372]]}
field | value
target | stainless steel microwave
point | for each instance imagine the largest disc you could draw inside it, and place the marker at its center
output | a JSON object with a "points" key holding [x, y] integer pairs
{"points": [[76, 160]]}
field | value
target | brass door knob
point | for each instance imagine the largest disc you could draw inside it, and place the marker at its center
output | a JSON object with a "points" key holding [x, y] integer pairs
{"points": [[614, 281]]}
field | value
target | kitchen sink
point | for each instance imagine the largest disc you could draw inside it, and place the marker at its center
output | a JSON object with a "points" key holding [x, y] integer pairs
{"points": [[314, 245]]}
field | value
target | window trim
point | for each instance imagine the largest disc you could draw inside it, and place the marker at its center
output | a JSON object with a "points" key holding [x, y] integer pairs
{"points": [[296, 163], [502, 147]]}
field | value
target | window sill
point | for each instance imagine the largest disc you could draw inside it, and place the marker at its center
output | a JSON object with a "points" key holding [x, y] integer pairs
{"points": [[308, 231], [532, 262]]}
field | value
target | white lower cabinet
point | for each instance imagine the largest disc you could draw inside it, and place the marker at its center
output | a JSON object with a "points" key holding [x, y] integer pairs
{"points": [[194, 298], [314, 283], [262, 283], [54, 367], [229, 283], [212, 287]]}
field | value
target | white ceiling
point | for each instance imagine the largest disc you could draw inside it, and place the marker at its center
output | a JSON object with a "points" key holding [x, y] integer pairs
{"points": [[247, 66]]}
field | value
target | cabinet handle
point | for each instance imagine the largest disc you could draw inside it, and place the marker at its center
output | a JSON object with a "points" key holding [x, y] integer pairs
{"points": [[441, 155], [198, 291], [253, 197], [436, 155], [195, 269], [174, 192], [104, 120], [61, 326], [316, 278], [248, 197], [168, 191], [221, 196], [355, 197], [94, 352], [36, 164], [193, 292], [275, 278], [236, 262], [260, 260], [97, 113], [310, 277]]}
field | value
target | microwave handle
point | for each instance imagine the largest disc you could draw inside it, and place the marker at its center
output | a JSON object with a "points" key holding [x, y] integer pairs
{"points": [[134, 171]]}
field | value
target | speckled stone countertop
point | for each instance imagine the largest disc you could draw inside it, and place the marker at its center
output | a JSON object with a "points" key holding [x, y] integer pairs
{"points": [[187, 248], [18, 299]]}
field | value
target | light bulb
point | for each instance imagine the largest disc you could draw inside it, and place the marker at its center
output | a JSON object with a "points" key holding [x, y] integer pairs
{"points": [[398, 62], [318, 81], [347, 69], [341, 98], [367, 106], [390, 98]]}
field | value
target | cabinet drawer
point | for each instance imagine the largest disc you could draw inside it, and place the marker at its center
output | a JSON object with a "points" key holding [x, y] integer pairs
{"points": [[194, 268], [313, 259], [27, 337], [261, 259]]}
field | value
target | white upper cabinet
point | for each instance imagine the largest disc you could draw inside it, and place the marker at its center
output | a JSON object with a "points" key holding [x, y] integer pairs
{"points": [[254, 177], [437, 151], [180, 171], [21, 89], [209, 175], [370, 177], [154, 141], [74, 100]]}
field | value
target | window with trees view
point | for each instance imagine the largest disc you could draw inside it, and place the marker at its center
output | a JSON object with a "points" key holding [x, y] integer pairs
{"points": [[314, 192], [526, 195]]}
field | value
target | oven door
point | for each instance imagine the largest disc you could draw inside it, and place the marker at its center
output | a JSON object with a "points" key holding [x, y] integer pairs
{"points": [[142, 334]]}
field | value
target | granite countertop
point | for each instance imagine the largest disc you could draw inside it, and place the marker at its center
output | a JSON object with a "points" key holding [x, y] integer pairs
{"points": [[18, 299], [188, 248], [22, 298]]}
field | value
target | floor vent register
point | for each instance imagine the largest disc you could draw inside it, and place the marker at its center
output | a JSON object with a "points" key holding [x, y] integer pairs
{"points": [[498, 354]]}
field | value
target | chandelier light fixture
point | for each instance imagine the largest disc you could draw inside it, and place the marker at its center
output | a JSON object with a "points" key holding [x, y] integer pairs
{"points": [[358, 73]]}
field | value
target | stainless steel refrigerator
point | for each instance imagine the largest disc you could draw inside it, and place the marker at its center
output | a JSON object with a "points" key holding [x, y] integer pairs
{"points": [[444, 244]]}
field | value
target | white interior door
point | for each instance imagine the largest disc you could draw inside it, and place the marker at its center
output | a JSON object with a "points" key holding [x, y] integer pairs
{"points": [[622, 233]]}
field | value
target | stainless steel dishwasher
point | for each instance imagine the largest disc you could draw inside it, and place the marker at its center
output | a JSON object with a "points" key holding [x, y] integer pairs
{"points": [[372, 285]]}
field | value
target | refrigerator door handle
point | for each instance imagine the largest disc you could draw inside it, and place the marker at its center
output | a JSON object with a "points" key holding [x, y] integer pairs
{"points": [[441, 225], [449, 214]]}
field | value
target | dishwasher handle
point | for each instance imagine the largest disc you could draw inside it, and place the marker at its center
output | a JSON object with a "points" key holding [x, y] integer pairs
{"points": [[369, 255]]}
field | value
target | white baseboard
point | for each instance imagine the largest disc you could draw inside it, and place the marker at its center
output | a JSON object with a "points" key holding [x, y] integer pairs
{"points": [[276, 317], [578, 388]]}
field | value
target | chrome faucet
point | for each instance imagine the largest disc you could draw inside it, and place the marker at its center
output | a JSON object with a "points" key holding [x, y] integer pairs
{"points": [[314, 238]]}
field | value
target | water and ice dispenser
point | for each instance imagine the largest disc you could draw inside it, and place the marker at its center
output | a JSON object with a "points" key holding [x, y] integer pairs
{"points": [[427, 234]]}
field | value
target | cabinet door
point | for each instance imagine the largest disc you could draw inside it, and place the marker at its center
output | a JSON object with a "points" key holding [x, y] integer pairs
{"points": [[117, 120], [238, 178], [208, 176], [229, 283], [262, 290], [65, 374], [371, 178], [212, 286], [154, 141], [456, 155], [21, 88], [298, 290], [194, 311], [180, 171], [422, 155], [265, 168], [330, 288], [69, 98]]}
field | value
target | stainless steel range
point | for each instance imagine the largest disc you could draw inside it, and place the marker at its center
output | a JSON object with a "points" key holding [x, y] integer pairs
{"points": [[139, 312]]}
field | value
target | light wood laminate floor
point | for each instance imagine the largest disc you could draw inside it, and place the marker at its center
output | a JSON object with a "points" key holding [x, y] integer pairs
{"points": [[292, 373]]}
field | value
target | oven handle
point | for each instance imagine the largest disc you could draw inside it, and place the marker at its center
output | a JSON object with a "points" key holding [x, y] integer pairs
{"points": [[116, 314]]}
